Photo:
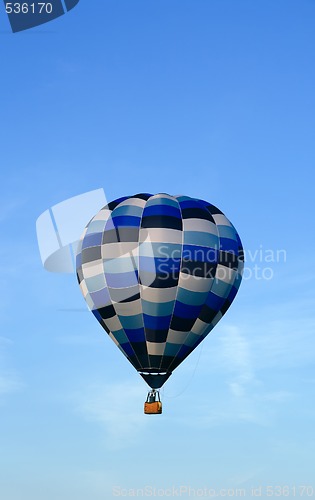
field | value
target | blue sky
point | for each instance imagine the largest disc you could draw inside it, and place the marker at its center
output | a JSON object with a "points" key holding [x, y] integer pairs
{"points": [[209, 98]]}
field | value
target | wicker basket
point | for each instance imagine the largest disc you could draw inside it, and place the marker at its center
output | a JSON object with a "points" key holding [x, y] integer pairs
{"points": [[153, 408]]}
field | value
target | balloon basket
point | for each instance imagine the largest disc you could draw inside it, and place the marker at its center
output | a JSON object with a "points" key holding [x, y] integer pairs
{"points": [[153, 405]]}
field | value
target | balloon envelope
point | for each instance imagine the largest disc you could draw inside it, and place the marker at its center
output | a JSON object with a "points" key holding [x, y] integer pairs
{"points": [[158, 272]]}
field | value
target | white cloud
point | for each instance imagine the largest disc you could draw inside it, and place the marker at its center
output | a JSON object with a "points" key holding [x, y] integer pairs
{"points": [[8, 383], [9, 380], [237, 360], [118, 408], [239, 365], [5, 341], [9, 207]]}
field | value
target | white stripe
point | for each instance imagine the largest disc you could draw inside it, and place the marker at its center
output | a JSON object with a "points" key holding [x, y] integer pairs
{"points": [[119, 249], [194, 283], [91, 269], [202, 225], [225, 274], [155, 348], [160, 235], [175, 337], [199, 327], [221, 220], [128, 308], [158, 295], [135, 202], [84, 288], [102, 215], [113, 324]]}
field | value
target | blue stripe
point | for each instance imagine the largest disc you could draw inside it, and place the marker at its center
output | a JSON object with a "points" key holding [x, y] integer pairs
{"points": [[215, 302], [200, 253], [135, 335], [92, 240], [184, 350], [157, 322], [191, 298], [160, 266], [126, 220], [228, 245], [191, 203], [186, 311], [221, 288], [164, 210], [127, 349], [109, 225], [121, 280], [96, 226], [120, 265], [232, 294], [131, 322], [181, 199], [130, 210], [171, 349], [201, 239], [95, 283], [226, 232], [97, 315], [120, 336], [192, 340], [157, 308]]}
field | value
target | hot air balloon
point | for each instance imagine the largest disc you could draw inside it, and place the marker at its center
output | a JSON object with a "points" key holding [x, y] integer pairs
{"points": [[158, 272]]}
